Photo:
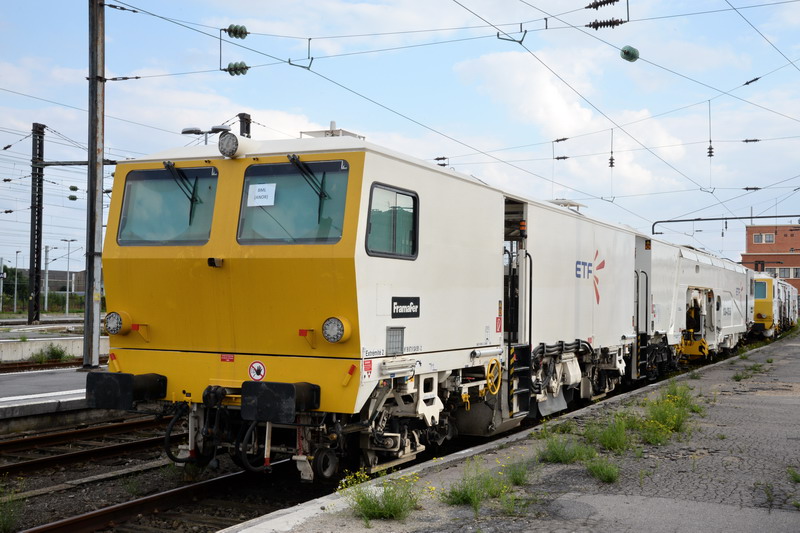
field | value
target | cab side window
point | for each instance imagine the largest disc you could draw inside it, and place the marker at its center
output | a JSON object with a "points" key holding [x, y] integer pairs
{"points": [[761, 290], [392, 223]]}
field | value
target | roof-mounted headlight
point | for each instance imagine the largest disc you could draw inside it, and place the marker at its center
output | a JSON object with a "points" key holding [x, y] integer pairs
{"points": [[231, 145]]}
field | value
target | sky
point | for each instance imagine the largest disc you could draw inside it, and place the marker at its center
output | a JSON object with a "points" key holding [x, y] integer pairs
{"points": [[492, 86]]}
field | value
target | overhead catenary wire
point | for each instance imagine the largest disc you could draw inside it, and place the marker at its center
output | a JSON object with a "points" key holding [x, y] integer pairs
{"points": [[360, 95], [582, 97], [480, 152], [738, 12]]}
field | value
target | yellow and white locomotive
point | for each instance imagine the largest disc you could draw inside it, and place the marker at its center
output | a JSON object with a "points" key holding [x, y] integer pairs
{"points": [[323, 297]]}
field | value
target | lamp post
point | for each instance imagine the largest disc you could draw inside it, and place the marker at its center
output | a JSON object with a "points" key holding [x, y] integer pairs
{"points": [[198, 131], [69, 242], [16, 275], [2, 277], [47, 273]]}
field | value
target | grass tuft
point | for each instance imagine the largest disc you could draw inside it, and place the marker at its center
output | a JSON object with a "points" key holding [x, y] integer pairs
{"points": [[475, 486], [49, 354], [517, 473], [612, 435], [10, 509], [559, 449], [393, 500], [603, 469]]}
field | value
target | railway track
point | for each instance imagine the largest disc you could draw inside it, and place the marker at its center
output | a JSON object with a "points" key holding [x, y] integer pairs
{"points": [[206, 506], [114, 514], [24, 366], [32, 453]]}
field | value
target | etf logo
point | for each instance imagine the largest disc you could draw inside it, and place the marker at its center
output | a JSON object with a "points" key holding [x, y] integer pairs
{"points": [[586, 269], [583, 269]]}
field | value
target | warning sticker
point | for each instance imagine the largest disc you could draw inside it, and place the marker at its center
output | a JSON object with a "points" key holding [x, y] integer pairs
{"points": [[226, 357], [368, 367], [257, 371], [499, 324]]}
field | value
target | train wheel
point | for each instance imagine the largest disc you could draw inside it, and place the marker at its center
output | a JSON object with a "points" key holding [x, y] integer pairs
{"points": [[325, 463]]}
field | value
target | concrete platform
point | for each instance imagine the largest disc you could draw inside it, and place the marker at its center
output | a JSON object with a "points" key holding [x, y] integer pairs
{"points": [[15, 350], [730, 473], [40, 398]]}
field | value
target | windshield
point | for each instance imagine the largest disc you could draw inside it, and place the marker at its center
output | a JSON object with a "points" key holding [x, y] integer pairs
{"points": [[296, 202], [168, 207]]}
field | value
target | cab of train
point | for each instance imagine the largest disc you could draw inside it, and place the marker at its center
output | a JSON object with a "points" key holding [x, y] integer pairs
{"points": [[285, 282], [764, 310]]}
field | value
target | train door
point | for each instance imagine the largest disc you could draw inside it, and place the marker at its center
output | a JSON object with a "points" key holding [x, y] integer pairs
{"points": [[642, 294], [518, 268], [699, 322], [517, 307]]}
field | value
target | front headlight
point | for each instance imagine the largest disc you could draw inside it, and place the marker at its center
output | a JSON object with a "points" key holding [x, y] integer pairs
{"points": [[118, 323], [336, 329]]}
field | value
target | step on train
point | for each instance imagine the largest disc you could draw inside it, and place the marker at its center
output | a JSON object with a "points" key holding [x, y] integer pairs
{"points": [[324, 299]]}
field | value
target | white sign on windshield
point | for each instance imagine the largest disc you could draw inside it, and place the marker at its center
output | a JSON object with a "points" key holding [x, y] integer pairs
{"points": [[261, 194]]}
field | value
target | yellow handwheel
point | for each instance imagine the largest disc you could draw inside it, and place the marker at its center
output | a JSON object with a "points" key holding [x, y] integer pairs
{"points": [[493, 376]]}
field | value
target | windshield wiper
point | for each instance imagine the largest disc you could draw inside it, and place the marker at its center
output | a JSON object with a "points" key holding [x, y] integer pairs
{"points": [[188, 188], [316, 185]]}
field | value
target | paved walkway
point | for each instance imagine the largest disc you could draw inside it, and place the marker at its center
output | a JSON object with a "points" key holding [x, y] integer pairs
{"points": [[729, 473]]}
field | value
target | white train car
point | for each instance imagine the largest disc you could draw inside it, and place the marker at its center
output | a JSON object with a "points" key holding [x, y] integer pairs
{"points": [[690, 304], [575, 304], [785, 304], [713, 303]]}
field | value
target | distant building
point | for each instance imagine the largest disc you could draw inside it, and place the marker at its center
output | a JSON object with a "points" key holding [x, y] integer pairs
{"points": [[57, 280], [774, 249]]}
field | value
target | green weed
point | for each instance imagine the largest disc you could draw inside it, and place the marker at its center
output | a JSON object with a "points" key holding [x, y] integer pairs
{"points": [[547, 430], [517, 473], [132, 485], [603, 469], [559, 449], [749, 371], [512, 505], [655, 433], [475, 486], [10, 509], [794, 475], [612, 435], [49, 354], [394, 499], [669, 415]]}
